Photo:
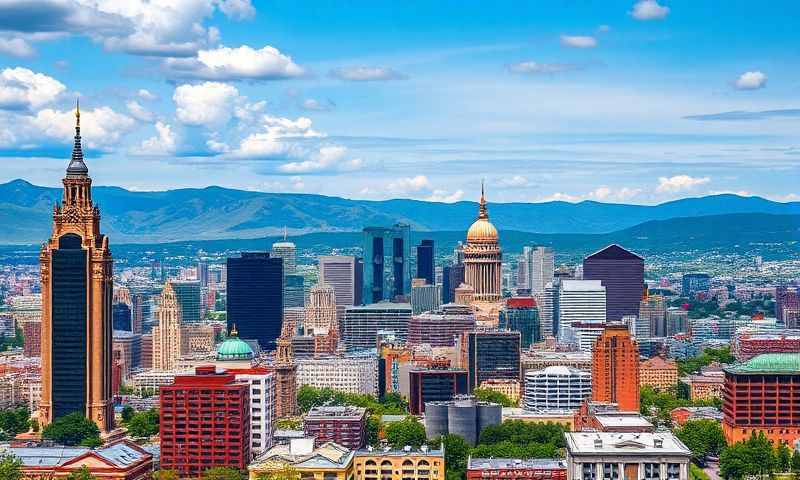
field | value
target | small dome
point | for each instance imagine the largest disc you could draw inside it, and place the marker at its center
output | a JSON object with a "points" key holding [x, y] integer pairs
{"points": [[482, 231], [234, 348]]}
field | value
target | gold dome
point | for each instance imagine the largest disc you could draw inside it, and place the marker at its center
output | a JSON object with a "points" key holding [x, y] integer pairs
{"points": [[482, 230]]}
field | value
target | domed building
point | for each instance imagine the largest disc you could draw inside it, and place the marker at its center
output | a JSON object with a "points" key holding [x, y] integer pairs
{"points": [[483, 257], [235, 352]]}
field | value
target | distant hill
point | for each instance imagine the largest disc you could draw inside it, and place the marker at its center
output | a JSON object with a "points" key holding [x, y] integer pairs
{"points": [[219, 213]]}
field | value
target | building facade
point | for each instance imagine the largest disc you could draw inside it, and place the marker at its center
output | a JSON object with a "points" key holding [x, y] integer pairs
{"points": [[402, 464], [345, 374], [556, 388], [658, 372], [255, 297], [382, 282], [425, 261], [167, 334], [361, 323], [434, 385], [346, 425], [615, 368], [441, 328], [491, 355], [622, 274], [520, 314], [516, 469], [581, 301], [483, 257]]}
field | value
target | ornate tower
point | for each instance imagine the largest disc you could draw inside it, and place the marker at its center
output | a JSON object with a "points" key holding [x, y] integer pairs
{"points": [[76, 304], [286, 379], [483, 257], [167, 334], [320, 319]]}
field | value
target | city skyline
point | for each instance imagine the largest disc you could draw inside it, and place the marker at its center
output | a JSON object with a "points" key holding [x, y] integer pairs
{"points": [[568, 102]]}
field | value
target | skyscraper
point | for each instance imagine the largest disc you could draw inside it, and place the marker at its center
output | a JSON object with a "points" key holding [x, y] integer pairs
{"points": [[76, 277], [521, 315], [452, 277], [483, 257], [652, 320], [288, 252], [255, 297], [380, 283], [167, 334], [581, 301], [320, 319], [692, 283], [615, 368], [425, 256], [187, 293], [202, 273], [339, 273], [622, 274], [542, 266], [491, 355]]}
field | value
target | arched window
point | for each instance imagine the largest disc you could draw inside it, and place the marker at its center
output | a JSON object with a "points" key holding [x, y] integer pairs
{"points": [[69, 241]]}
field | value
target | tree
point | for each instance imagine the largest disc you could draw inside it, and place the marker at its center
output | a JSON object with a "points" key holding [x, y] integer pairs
{"points": [[223, 473], [72, 429], [784, 458], [144, 424], [287, 472], [10, 467], [82, 474], [523, 433], [166, 475], [127, 413], [408, 431], [796, 462], [14, 422], [486, 395], [373, 429], [733, 462], [456, 450], [703, 437]]}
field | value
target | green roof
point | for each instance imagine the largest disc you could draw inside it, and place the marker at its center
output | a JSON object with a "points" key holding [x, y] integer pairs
{"points": [[770, 363], [234, 348]]}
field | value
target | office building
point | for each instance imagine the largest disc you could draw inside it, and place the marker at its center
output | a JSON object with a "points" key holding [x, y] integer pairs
{"points": [[787, 305], [541, 359], [523, 283], [547, 303], [622, 274], [659, 373], [286, 251], [255, 297], [167, 334], [425, 261], [344, 374], [520, 314], [197, 340], [285, 379], [441, 328], [510, 388], [516, 468], [262, 404], [677, 321], [387, 271], [320, 317], [345, 275], [750, 344], [643, 456], [615, 368], [425, 297], [361, 323], [694, 283], [462, 416], [187, 293], [130, 344], [204, 422], [121, 316], [345, 425], [581, 301], [556, 388], [76, 284], [761, 396], [434, 385], [202, 273], [400, 464], [652, 319], [452, 277], [293, 291], [582, 335], [541, 267], [491, 355], [483, 257]]}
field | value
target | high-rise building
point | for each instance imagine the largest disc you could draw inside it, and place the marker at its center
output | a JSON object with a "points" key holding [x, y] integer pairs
{"points": [[787, 305], [188, 293], [556, 388], [320, 320], [262, 405], [205, 423], [76, 284], [441, 328], [341, 273], [622, 274], [677, 321], [344, 374], [491, 355], [452, 277], [139, 307], [255, 297], [548, 308], [425, 261], [652, 320], [434, 385], [287, 251], [121, 316], [293, 291], [615, 368], [693, 283], [483, 257], [521, 315], [541, 267], [425, 297], [581, 301], [361, 323], [202, 273], [523, 282], [167, 334], [285, 379], [379, 283]]}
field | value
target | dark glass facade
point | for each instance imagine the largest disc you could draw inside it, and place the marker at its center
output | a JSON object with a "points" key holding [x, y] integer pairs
{"points": [[692, 283], [523, 319], [255, 297], [452, 277], [434, 386], [69, 284], [492, 355], [121, 316], [622, 273], [188, 295], [387, 273], [425, 267]]}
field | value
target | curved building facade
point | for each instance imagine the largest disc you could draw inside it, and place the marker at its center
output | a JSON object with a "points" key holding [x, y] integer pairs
{"points": [[483, 257], [556, 388]]}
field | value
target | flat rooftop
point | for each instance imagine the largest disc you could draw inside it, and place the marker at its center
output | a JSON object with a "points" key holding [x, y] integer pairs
{"points": [[530, 463], [605, 443]]}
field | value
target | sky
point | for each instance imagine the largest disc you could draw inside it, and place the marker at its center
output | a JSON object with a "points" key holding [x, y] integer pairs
{"points": [[614, 101]]}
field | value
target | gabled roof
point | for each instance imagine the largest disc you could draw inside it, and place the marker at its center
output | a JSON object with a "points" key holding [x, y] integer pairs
{"points": [[614, 252]]}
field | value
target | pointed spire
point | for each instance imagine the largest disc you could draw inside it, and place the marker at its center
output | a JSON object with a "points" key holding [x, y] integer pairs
{"points": [[482, 212], [285, 233], [234, 332], [76, 166]]}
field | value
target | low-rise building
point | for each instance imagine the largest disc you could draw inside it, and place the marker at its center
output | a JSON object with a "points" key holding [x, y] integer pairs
{"points": [[344, 425], [345, 373], [705, 386], [509, 388], [565, 418], [123, 460], [516, 469], [659, 373], [328, 461], [556, 388], [681, 415], [641, 456], [405, 464]]}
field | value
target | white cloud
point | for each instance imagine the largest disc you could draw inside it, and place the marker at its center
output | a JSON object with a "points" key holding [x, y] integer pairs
{"points": [[409, 184], [445, 196], [138, 112], [145, 94], [241, 63], [21, 89], [316, 105], [271, 142], [578, 41], [327, 159], [101, 127], [560, 197], [605, 193], [366, 74], [209, 103], [162, 144], [750, 81], [237, 9], [535, 67], [679, 183], [649, 10], [515, 181], [16, 47]]}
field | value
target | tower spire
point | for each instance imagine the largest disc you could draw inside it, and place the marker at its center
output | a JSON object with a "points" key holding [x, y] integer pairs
{"points": [[76, 166], [482, 212]]}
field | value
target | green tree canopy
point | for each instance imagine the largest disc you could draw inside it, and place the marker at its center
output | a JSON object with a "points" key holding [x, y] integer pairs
{"points": [[408, 431], [309, 397], [486, 395], [523, 433], [223, 473], [14, 422], [73, 429], [10, 467], [456, 450], [127, 413], [703, 437], [82, 474], [144, 424], [166, 475]]}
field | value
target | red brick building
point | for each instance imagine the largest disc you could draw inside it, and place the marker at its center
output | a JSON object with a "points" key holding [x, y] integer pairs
{"points": [[32, 333], [516, 469], [615, 368], [748, 346], [205, 423], [345, 425], [763, 395]]}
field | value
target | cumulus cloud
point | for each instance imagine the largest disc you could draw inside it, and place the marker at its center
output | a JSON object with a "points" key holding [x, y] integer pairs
{"points": [[750, 81], [101, 127], [679, 183], [407, 185], [22, 89], [536, 67], [241, 63], [209, 103], [270, 140], [327, 159], [366, 74], [237, 9], [578, 41], [138, 112], [315, 105], [605, 193], [515, 181], [445, 196], [164, 143], [16, 47], [145, 94], [649, 10]]}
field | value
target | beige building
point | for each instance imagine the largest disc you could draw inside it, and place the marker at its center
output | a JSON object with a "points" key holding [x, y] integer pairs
{"points": [[320, 318], [406, 464], [196, 339], [659, 373], [329, 461], [167, 334], [509, 388], [483, 257]]}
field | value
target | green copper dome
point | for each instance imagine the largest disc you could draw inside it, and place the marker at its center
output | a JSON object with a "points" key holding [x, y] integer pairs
{"points": [[234, 348], [770, 363]]}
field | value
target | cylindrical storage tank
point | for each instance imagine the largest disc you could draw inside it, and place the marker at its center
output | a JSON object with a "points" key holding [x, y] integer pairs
{"points": [[462, 421], [489, 414], [435, 419]]}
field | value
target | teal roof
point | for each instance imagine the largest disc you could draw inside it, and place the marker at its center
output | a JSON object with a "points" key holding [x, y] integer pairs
{"points": [[234, 348], [770, 363]]}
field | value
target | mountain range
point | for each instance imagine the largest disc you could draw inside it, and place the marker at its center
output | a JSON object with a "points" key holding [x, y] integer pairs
{"points": [[216, 213]]}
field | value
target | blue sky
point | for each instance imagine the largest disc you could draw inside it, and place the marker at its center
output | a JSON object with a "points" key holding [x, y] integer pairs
{"points": [[630, 101]]}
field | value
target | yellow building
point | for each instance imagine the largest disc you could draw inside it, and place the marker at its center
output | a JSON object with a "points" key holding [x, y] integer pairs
{"points": [[329, 461], [658, 373], [565, 418], [406, 464], [509, 388]]}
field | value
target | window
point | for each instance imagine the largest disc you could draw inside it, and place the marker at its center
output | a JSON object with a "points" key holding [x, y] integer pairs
{"points": [[674, 471], [588, 471], [652, 471], [610, 471]]}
